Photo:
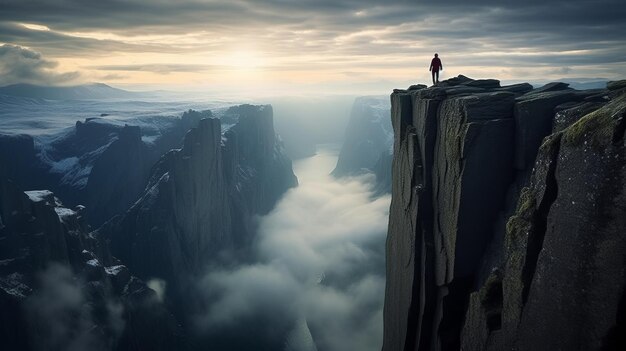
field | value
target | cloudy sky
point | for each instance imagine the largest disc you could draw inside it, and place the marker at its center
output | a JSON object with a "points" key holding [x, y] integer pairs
{"points": [[297, 43]]}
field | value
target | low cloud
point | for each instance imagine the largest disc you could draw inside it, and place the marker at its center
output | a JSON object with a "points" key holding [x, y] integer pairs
{"points": [[61, 316], [158, 285], [320, 265], [113, 76], [22, 65], [156, 68]]}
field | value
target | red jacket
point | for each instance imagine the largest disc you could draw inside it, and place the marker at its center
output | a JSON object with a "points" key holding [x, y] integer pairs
{"points": [[435, 64]]}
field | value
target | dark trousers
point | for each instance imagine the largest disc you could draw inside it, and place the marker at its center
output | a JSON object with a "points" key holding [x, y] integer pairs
{"points": [[435, 73]]}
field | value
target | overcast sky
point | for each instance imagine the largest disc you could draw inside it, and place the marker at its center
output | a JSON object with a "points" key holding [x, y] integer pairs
{"points": [[340, 44]]}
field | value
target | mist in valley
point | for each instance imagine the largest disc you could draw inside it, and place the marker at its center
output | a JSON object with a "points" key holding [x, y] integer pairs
{"points": [[312, 273], [218, 175], [319, 270]]}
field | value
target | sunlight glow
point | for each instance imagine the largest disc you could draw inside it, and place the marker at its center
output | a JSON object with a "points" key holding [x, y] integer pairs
{"points": [[243, 60], [33, 26]]}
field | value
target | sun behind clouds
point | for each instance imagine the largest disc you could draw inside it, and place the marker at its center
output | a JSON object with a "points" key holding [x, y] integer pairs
{"points": [[246, 60]]}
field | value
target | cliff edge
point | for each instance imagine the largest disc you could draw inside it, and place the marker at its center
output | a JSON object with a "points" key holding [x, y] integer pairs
{"points": [[200, 203], [507, 222]]}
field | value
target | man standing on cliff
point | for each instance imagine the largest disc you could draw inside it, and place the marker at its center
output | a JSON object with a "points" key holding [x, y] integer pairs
{"points": [[435, 66]]}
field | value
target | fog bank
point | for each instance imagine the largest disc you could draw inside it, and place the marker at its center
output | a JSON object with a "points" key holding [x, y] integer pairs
{"points": [[320, 266]]}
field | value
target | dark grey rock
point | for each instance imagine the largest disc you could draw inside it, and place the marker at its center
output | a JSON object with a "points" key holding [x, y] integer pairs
{"points": [[616, 85], [401, 240], [603, 96], [41, 238], [18, 157], [101, 165], [382, 171], [487, 106], [432, 93], [534, 114], [117, 177], [417, 87], [460, 79], [484, 83], [581, 222], [186, 209], [199, 203], [463, 136], [467, 271], [521, 88]]}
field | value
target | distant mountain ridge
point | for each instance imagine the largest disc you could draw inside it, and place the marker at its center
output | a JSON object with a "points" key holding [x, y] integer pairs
{"points": [[77, 92]]}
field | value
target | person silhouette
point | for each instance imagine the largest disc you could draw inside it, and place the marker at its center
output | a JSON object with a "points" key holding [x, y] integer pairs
{"points": [[435, 66]]}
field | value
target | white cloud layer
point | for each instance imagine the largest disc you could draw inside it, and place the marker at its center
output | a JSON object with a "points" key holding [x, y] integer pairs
{"points": [[62, 318], [320, 259], [322, 41]]}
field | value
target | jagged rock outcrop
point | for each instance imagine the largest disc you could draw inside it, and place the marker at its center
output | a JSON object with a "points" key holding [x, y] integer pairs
{"points": [[98, 163], [198, 208], [60, 288], [468, 270], [200, 201]]}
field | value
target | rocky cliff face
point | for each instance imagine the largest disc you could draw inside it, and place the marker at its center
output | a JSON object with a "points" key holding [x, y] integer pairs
{"points": [[98, 163], [368, 134], [18, 156], [506, 226], [60, 288], [64, 287], [200, 201], [367, 146]]}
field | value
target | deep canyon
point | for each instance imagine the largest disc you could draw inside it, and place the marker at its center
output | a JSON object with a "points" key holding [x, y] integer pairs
{"points": [[463, 216]]}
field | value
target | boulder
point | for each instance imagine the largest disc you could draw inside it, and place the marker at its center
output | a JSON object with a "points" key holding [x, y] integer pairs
{"points": [[570, 113], [521, 88], [460, 79], [417, 87], [484, 83], [616, 85]]}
